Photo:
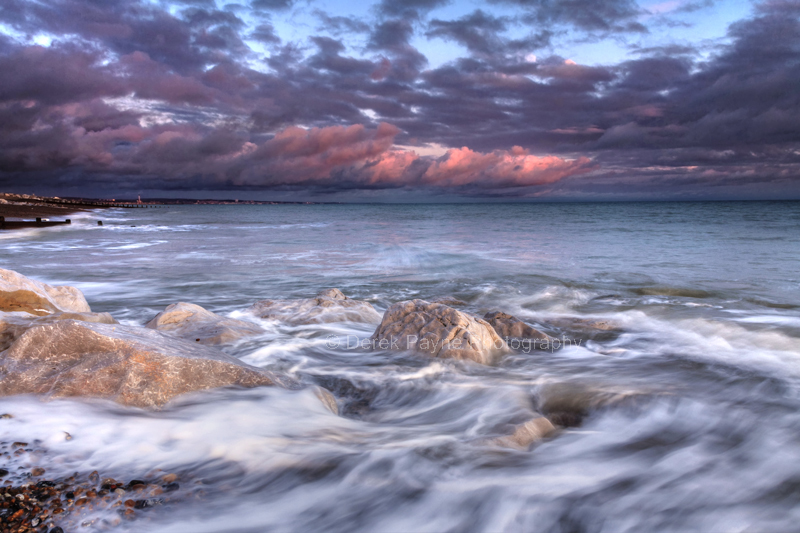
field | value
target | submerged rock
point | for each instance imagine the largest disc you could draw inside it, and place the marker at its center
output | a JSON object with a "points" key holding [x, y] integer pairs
{"points": [[193, 323], [510, 327], [449, 300], [526, 434], [13, 325], [132, 366], [328, 306], [437, 330], [19, 293], [568, 404], [587, 328]]}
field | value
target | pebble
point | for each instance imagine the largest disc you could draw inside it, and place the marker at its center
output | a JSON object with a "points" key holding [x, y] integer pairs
{"points": [[50, 505], [6, 415]]}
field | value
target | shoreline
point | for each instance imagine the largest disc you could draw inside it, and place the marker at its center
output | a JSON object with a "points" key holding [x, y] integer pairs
{"points": [[22, 212]]}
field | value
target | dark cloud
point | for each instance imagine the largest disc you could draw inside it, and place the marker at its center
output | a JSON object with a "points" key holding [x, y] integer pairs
{"points": [[478, 32], [589, 15], [272, 5], [408, 8], [265, 33], [394, 37], [339, 25]]}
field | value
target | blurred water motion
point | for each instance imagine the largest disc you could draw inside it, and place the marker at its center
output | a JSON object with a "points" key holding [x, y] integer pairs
{"points": [[678, 411]]}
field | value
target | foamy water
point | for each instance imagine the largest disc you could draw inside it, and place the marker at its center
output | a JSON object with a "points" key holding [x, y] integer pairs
{"points": [[688, 412]]}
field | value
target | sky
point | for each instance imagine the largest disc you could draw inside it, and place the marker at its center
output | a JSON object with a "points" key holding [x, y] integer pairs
{"points": [[421, 100]]}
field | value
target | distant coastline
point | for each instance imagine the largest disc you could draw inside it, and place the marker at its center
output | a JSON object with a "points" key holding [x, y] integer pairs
{"points": [[31, 206]]}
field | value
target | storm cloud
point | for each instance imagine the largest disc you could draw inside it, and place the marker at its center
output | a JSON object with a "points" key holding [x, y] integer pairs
{"points": [[197, 96]]}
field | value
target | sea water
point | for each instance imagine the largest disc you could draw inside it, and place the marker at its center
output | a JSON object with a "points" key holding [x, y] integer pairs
{"points": [[685, 399]]}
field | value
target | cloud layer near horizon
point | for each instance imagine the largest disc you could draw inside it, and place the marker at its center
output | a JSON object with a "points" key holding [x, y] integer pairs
{"points": [[188, 96]]}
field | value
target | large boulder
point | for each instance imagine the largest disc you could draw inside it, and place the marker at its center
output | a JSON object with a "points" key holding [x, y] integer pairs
{"points": [[18, 293], [437, 330], [13, 325], [193, 323], [130, 365], [328, 306], [510, 327]]}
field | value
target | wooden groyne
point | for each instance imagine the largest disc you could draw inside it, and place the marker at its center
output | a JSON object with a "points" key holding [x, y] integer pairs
{"points": [[38, 223]]}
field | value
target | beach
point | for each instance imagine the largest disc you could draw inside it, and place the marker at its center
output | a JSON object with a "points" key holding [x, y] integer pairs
{"points": [[31, 212]]}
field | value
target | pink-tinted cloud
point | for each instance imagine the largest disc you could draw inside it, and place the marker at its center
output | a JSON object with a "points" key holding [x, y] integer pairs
{"points": [[334, 157], [501, 168]]}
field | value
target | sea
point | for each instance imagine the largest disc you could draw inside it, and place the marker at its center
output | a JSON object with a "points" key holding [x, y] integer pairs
{"points": [[678, 393]]}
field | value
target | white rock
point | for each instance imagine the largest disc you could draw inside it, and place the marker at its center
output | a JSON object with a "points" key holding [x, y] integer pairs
{"points": [[19, 293]]}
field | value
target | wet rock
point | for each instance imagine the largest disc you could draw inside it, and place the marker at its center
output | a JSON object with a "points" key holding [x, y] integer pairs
{"points": [[132, 366], [449, 300], [328, 306], [510, 327], [586, 328], [526, 434], [13, 325], [439, 331], [568, 404], [327, 399], [353, 399], [37, 472], [19, 293], [192, 322]]}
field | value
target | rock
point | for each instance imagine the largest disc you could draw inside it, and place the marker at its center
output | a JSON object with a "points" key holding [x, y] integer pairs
{"points": [[327, 398], [132, 366], [18, 293], [567, 404], [510, 327], [586, 328], [526, 434], [328, 306], [437, 330], [12, 325], [193, 323], [449, 300]]}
